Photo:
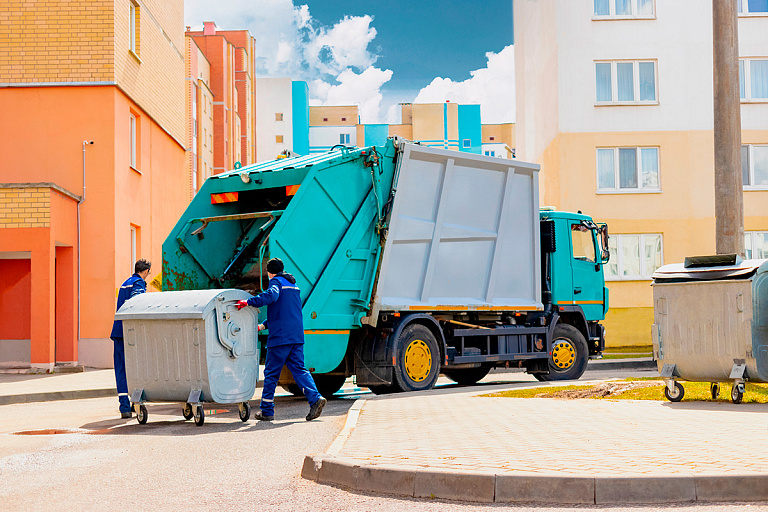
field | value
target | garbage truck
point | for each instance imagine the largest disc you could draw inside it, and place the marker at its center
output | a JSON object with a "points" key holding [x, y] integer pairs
{"points": [[412, 262]]}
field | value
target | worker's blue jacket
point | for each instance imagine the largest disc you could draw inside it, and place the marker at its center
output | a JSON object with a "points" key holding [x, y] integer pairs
{"points": [[132, 286], [284, 319]]}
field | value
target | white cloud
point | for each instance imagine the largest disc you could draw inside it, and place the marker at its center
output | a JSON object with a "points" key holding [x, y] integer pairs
{"points": [[493, 87], [335, 60]]}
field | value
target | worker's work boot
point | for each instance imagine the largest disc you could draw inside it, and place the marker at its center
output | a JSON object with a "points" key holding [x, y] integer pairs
{"points": [[128, 414], [316, 409], [262, 417]]}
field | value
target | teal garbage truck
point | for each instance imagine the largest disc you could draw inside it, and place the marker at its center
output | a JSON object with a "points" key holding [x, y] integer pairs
{"points": [[412, 261]]}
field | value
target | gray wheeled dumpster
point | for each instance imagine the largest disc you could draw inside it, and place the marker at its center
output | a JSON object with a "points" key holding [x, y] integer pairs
{"points": [[711, 324], [192, 347]]}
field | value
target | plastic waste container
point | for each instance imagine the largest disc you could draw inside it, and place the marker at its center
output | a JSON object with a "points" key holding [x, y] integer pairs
{"points": [[192, 347], [711, 323]]}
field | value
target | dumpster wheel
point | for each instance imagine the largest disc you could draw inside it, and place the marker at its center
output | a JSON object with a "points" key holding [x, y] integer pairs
{"points": [[187, 411], [245, 411], [737, 393], [142, 415], [714, 389], [677, 394], [199, 416]]}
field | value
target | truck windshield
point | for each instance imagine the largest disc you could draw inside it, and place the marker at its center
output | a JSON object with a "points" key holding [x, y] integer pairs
{"points": [[583, 243]]}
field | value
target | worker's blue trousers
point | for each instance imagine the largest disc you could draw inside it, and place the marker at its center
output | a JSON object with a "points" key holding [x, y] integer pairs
{"points": [[118, 357], [291, 356]]}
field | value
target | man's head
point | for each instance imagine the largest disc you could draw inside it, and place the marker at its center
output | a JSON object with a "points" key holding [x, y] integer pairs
{"points": [[274, 267], [142, 268]]}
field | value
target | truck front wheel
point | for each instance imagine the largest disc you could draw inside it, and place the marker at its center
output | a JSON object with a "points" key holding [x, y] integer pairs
{"points": [[417, 364], [569, 355]]}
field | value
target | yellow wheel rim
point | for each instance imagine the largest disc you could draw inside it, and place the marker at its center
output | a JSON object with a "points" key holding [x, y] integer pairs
{"points": [[563, 354], [418, 360]]}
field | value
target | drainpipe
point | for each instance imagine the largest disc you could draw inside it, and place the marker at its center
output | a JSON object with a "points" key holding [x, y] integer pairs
{"points": [[81, 201]]}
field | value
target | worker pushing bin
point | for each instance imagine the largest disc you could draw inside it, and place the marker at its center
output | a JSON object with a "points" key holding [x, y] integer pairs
{"points": [[711, 323], [191, 347]]}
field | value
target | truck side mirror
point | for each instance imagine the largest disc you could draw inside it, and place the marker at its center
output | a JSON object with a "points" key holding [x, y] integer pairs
{"points": [[603, 234]]}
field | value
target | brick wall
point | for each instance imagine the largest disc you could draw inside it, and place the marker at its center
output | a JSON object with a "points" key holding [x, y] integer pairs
{"points": [[25, 207], [56, 41]]}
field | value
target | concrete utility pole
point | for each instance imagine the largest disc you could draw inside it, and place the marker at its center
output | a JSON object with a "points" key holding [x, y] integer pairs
{"points": [[729, 192]]}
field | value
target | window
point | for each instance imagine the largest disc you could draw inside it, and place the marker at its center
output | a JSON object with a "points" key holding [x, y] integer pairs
{"points": [[279, 116], [623, 9], [135, 246], [754, 166], [133, 28], [583, 245], [625, 82], [279, 139], [490, 153], [630, 169], [325, 119], [492, 138], [344, 138], [756, 244], [133, 141], [752, 6], [634, 257], [753, 79], [466, 143], [343, 118]]}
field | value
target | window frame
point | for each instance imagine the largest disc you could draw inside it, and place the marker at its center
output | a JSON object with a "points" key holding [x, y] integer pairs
{"points": [[466, 143], [635, 82], [634, 16], [638, 171], [344, 138], [278, 139], [133, 143], [278, 116], [133, 27], [747, 61], [751, 167], [751, 235], [619, 254], [742, 9]]}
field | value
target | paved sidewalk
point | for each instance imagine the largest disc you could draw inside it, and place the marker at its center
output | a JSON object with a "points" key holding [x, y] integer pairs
{"points": [[467, 447]]}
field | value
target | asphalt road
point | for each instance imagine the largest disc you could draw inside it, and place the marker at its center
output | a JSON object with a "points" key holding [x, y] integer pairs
{"points": [[98, 462]]}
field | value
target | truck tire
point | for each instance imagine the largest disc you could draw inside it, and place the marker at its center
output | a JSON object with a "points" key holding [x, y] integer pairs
{"points": [[327, 385], [467, 376], [417, 364], [569, 355]]}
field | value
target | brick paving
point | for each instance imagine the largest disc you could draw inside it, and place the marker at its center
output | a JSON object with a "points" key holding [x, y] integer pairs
{"points": [[538, 436]]}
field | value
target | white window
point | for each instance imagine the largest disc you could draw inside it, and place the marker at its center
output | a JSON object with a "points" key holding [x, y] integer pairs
{"points": [[754, 166], [490, 153], [625, 82], [343, 138], [753, 6], [627, 169], [753, 79], [756, 244], [133, 141], [466, 143], [278, 116], [133, 25], [623, 9], [634, 257], [133, 247]]}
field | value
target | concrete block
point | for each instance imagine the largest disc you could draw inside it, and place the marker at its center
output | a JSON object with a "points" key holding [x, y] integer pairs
{"points": [[465, 486], [311, 468], [641, 489], [384, 479], [337, 471], [732, 488], [544, 489]]}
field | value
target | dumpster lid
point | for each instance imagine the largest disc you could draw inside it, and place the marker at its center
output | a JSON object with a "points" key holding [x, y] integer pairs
{"points": [[181, 305], [741, 270]]}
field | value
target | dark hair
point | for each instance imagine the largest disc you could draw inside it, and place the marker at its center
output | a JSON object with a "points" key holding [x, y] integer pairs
{"points": [[141, 266], [275, 266]]}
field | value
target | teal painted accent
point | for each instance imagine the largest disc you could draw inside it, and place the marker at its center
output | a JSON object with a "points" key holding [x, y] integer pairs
{"points": [[300, 106], [375, 134], [470, 128], [445, 124], [569, 274]]}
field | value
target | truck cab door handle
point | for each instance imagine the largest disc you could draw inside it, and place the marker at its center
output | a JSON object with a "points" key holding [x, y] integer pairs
{"points": [[577, 290]]}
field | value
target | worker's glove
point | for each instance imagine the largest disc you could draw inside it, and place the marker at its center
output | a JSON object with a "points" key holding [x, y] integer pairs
{"points": [[241, 304], [261, 327]]}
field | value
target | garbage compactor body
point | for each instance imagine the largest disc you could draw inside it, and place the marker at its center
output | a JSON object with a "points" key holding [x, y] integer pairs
{"points": [[711, 323], [190, 346]]}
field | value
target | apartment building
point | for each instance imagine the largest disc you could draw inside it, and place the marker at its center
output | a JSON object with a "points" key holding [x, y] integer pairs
{"points": [[92, 151], [615, 101], [282, 118]]}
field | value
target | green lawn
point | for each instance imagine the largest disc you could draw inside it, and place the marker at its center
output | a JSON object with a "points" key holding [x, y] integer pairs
{"points": [[613, 390]]}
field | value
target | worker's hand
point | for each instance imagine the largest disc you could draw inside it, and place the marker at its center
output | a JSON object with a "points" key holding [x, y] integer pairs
{"points": [[241, 304], [261, 327]]}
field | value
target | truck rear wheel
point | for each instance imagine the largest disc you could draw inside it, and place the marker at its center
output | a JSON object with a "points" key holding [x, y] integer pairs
{"points": [[417, 364], [327, 385], [467, 376], [569, 355]]}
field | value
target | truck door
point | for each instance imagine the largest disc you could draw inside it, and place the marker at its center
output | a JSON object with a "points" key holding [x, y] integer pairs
{"points": [[587, 272]]}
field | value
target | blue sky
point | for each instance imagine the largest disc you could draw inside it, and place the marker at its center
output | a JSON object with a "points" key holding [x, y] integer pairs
{"points": [[376, 54]]}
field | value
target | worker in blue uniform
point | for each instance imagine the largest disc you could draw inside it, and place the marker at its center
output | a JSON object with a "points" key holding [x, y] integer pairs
{"points": [[285, 344], [132, 286]]}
